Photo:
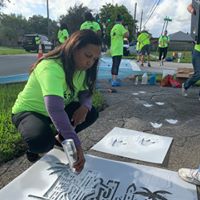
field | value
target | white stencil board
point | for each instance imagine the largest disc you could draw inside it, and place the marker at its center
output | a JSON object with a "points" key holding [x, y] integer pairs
{"points": [[101, 179], [135, 144]]}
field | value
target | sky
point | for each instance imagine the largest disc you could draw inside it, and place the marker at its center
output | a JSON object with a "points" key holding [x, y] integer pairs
{"points": [[175, 9]]}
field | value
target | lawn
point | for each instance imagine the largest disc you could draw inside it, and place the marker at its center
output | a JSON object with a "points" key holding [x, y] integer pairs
{"points": [[11, 144], [11, 51], [186, 56]]}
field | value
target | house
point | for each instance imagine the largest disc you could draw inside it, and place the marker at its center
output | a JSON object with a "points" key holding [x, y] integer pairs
{"points": [[181, 41]]}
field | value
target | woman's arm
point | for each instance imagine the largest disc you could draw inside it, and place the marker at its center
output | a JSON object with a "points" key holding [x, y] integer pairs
{"points": [[55, 108], [85, 99]]}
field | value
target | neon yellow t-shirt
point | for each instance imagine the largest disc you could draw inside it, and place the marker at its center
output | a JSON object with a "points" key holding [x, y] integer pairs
{"points": [[137, 46], [197, 47], [62, 35], [143, 39], [37, 40], [48, 78], [117, 39], [92, 25], [163, 41]]}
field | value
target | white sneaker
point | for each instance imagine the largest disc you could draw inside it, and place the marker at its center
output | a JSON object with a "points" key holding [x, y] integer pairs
{"points": [[190, 175], [184, 91]]}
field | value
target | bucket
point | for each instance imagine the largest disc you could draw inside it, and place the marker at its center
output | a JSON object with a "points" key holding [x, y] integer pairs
{"points": [[152, 79]]}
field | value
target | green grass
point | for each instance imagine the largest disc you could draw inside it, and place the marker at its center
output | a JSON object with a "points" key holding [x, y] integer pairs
{"points": [[10, 140], [11, 144], [11, 51], [186, 56]]}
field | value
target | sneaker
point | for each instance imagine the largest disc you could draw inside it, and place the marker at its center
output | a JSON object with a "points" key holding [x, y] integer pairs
{"points": [[115, 83], [149, 65], [183, 90], [32, 157], [190, 175]]}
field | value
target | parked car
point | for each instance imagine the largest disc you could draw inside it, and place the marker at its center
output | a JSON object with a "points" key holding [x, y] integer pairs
{"points": [[28, 42]]}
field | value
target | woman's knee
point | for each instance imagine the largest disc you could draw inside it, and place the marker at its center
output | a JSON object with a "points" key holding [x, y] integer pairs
{"points": [[41, 143], [37, 134]]}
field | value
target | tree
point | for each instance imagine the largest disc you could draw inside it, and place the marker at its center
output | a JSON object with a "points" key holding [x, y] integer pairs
{"points": [[74, 17], [2, 3], [12, 28], [38, 24], [108, 14]]}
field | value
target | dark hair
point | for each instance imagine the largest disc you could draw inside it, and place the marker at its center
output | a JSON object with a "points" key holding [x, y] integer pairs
{"points": [[63, 26], [119, 18], [65, 52], [88, 16]]}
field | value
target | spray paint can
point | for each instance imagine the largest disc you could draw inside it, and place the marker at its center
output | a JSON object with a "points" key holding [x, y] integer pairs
{"points": [[70, 151]]}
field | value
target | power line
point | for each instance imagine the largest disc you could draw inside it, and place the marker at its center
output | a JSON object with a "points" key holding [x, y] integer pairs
{"points": [[153, 9]]}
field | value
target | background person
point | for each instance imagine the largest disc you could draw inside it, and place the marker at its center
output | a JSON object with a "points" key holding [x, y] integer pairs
{"points": [[58, 92], [62, 33], [195, 62], [117, 34], [187, 174], [37, 42], [163, 44], [144, 46], [138, 49], [91, 24]]}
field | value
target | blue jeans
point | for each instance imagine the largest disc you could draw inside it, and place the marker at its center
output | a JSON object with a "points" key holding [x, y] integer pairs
{"points": [[196, 66]]}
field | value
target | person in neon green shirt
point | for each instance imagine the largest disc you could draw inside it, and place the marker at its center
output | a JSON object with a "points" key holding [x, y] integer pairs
{"points": [[187, 174], [195, 62], [37, 41], [62, 33], [144, 46], [59, 92], [90, 23], [163, 44], [117, 34], [138, 49]]}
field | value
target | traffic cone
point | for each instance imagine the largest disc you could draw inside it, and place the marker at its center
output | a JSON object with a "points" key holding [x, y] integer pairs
{"points": [[40, 52]]}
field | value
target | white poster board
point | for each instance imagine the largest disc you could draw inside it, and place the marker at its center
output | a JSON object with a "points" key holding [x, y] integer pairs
{"points": [[101, 179], [135, 144]]}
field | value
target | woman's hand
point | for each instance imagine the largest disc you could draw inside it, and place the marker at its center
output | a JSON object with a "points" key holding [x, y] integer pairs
{"points": [[79, 164], [79, 115]]}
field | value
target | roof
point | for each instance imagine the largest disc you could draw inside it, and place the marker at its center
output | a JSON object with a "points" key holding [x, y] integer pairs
{"points": [[180, 36]]}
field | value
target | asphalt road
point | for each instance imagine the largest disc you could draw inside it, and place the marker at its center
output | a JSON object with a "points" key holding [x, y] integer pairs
{"points": [[16, 64]]}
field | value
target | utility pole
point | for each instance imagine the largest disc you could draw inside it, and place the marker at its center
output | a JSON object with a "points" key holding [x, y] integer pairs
{"points": [[135, 10], [134, 18], [141, 20], [48, 18], [166, 21]]}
